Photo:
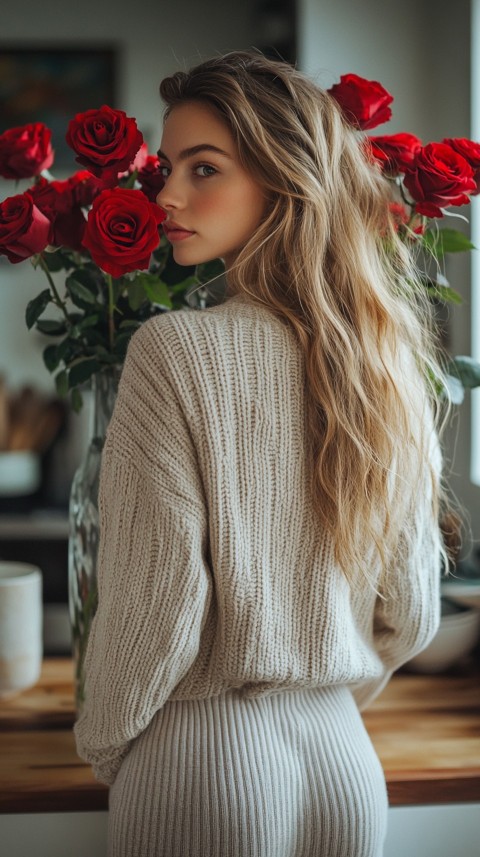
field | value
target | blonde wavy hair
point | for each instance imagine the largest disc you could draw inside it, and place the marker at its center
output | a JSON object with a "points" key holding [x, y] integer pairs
{"points": [[328, 261]]}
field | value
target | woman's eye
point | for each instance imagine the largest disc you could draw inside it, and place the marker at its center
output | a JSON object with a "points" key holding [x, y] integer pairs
{"points": [[204, 170], [164, 170]]}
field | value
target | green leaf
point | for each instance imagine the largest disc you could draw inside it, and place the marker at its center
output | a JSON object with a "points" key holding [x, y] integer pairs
{"points": [[129, 323], [121, 343], [77, 290], [184, 286], [466, 369], [51, 357], [76, 399], [36, 307], [79, 329], [446, 241], [162, 252], [84, 288], [51, 328], [88, 276], [82, 370], [88, 321], [136, 295], [444, 293], [64, 349], [58, 260], [155, 289], [210, 270], [61, 383], [173, 273], [455, 389], [436, 382]]}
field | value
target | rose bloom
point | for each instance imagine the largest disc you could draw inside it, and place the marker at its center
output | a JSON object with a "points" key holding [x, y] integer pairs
{"points": [[140, 159], [150, 178], [439, 177], [395, 152], [24, 229], [105, 142], [398, 214], [471, 152], [25, 151], [122, 231], [147, 166], [364, 102], [61, 202], [84, 188]]}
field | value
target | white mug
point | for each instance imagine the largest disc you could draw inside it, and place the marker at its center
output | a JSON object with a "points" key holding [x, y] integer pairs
{"points": [[21, 646]]}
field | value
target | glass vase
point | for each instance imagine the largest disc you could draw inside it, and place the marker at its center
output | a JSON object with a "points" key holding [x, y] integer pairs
{"points": [[84, 525]]}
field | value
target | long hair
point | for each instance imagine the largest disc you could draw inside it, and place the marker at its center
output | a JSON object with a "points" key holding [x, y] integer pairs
{"points": [[327, 260]]}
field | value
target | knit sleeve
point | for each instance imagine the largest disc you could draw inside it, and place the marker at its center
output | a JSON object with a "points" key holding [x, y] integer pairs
{"points": [[407, 614], [154, 587]]}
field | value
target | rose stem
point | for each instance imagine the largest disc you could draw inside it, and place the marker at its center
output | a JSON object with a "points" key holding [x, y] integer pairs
{"points": [[58, 300], [111, 307]]}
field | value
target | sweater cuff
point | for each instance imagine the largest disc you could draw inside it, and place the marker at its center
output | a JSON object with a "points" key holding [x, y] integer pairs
{"points": [[105, 763], [366, 692]]}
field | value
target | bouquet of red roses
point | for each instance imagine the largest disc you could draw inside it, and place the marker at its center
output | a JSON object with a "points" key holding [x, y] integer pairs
{"points": [[100, 227], [427, 180]]}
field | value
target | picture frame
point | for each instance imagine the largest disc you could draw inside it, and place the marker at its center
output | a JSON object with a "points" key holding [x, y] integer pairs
{"points": [[51, 84]]}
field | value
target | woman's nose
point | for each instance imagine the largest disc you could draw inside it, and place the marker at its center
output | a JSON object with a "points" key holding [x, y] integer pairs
{"points": [[170, 196], [159, 198]]}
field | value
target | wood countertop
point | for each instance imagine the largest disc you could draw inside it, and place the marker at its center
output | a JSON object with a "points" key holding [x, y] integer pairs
{"points": [[426, 731]]}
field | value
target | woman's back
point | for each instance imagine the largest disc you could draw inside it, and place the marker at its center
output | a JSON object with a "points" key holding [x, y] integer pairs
{"points": [[269, 547]]}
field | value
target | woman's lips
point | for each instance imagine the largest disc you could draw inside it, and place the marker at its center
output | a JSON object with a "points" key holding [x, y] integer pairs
{"points": [[176, 234]]}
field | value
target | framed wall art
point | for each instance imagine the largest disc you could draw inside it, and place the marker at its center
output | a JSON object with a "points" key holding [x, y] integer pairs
{"points": [[50, 84]]}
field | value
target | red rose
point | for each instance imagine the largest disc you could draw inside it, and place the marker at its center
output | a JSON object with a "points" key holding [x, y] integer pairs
{"points": [[395, 152], [439, 177], [69, 229], [399, 215], [363, 102], [84, 188], [140, 158], [105, 141], [24, 230], [150, 178], [52, 197], [122, 230], [25, 151], [471, 152], [57, 201]]}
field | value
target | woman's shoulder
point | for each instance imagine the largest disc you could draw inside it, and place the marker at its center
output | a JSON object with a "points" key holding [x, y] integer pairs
{"points": [[217, 319], [168, 336], [187, 343]]}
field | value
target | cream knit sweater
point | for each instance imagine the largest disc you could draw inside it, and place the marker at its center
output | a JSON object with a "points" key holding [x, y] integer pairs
{"points": [[213, 570]]}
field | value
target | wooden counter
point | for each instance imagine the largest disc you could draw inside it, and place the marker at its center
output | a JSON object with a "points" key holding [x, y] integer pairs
{"points": [[426, 730]]}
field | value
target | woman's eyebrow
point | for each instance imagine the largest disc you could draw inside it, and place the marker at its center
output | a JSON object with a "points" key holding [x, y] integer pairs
{"points": [[194, 150]]}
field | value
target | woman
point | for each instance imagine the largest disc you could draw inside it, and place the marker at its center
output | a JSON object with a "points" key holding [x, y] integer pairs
{"points": [[269, 551]]}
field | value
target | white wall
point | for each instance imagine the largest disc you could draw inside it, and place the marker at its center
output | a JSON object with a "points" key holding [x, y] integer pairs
{"points": [[421, 53], [378, 39]]}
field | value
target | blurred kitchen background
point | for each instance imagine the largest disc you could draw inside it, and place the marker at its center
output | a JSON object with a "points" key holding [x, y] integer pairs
{"points": [[421, 52]]}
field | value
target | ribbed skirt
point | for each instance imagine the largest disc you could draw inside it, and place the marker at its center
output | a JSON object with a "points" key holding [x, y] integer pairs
{"points": [[291, 774]]}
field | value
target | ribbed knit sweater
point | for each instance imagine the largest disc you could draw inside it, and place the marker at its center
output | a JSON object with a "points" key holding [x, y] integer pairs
{"points": [[213, 570]]}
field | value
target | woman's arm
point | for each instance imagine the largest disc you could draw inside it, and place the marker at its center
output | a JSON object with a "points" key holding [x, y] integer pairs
{"points": [[154, 586]]}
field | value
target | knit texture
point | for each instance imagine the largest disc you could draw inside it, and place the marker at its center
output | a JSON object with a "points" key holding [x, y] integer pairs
{"points": [[288, 774], [213, 569]]}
